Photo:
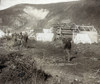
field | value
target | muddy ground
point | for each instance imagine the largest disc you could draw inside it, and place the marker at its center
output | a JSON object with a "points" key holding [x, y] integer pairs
{"points": [[44, 63]]}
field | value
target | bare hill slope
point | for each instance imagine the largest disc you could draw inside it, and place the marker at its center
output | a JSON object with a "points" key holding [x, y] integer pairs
{"points": [[43, 16]]}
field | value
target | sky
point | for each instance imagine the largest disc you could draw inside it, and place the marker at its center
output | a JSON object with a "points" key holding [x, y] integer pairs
{"points": [[8, 3]]}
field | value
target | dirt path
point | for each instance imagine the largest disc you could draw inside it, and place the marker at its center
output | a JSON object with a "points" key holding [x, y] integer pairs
{"points": [[52, 62], [55, 69]]}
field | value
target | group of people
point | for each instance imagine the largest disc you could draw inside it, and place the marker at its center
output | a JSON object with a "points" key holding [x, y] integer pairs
{"points": [[20, 39]]}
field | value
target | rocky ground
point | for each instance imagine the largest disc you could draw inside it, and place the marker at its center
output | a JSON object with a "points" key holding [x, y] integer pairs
{"points": [[44, 63]]}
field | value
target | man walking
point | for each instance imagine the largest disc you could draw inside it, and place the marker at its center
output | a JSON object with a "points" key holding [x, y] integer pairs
{"points": [[67, 48]]}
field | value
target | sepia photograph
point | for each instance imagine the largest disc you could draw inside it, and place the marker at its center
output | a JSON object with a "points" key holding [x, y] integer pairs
{"points": [[49, 41]]}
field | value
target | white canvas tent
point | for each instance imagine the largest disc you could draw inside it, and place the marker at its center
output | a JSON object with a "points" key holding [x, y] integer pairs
{"points": [[2, 34], [47, 35], [82, 38], [44, 37], [85, 34]]}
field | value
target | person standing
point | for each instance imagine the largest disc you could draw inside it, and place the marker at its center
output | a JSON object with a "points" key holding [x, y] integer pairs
{"points": [[67, 48], [25, 39], [21, 39]]}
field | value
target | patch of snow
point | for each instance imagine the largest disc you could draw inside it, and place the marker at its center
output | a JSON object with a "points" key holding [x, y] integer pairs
{"points": [[39, 14]]}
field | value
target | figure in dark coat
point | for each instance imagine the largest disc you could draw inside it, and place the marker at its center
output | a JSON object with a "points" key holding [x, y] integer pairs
{"points": [[67, 48]]}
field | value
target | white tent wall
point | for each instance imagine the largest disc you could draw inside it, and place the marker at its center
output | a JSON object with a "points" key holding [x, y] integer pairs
{"points": [[2, 34], [82, 38], [47, 35], [92, 35], [85, 34], [44, 37], [85, 37]]}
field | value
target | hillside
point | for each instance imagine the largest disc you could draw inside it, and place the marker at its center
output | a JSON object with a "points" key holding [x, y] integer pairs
{"points": [[37, 62], [22, 16]]}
